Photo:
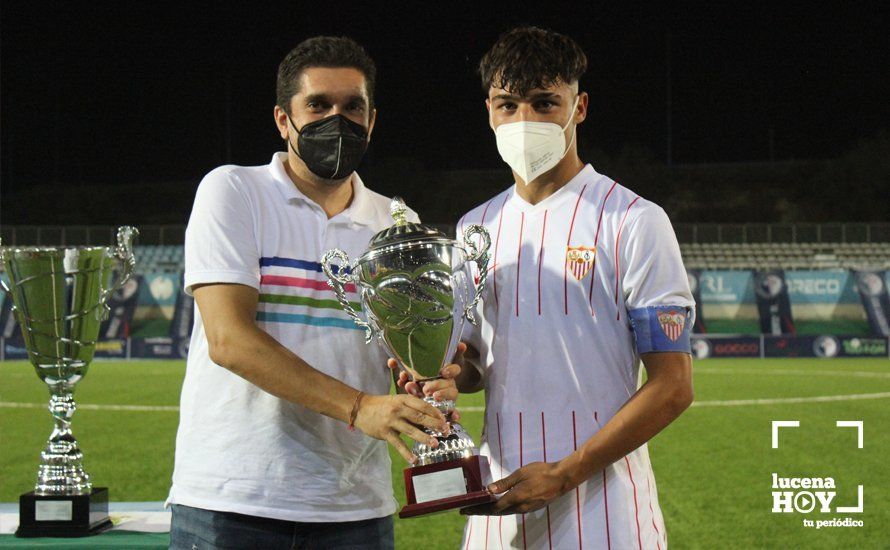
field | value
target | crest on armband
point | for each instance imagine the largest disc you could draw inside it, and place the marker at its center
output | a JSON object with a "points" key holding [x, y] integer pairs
{"points": [[672, 323]]}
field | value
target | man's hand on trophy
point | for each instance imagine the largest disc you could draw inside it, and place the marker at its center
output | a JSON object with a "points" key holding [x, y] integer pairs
{"points": [[386, 417]]}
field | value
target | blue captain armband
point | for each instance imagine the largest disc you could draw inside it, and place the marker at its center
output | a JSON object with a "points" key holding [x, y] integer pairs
{"points": [[662, 328]]}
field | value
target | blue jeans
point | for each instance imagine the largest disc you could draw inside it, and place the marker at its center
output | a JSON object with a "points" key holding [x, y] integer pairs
{"points": [[198, 529]]}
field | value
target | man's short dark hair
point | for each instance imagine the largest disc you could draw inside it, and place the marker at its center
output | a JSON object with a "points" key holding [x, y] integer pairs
{"points": [[322, 51], [527, 58]]}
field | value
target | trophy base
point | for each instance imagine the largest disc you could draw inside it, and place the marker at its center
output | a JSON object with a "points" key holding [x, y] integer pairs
{"points": [[445, 486], [63, 516]]}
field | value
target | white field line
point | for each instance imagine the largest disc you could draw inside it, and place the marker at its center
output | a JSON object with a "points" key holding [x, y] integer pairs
{"points": [[717, 403], [794, 372], [784, 400], [90, 407]]}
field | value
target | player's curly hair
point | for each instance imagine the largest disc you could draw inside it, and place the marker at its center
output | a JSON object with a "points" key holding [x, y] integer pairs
{"points": [[322, 51], [526, 58]]}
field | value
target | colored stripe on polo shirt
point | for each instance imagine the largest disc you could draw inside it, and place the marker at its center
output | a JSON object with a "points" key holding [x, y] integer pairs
{"points": [[297, 264], [300, 319], [300, 282], [304, 301], [275, 285]]}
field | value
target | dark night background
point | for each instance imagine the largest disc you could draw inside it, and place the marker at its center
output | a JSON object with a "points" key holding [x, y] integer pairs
{"points": [[112, 112]]}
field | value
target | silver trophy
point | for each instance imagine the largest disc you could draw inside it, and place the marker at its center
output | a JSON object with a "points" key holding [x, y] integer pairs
{"points": [[415, 294], [60, 299]]}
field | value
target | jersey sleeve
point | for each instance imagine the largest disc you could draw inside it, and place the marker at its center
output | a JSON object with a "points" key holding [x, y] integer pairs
{"points": [[655, 287], [220, 239]]}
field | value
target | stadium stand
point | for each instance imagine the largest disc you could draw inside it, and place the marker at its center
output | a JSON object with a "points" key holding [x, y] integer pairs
{"points": [[159, 258], [788, 256]]}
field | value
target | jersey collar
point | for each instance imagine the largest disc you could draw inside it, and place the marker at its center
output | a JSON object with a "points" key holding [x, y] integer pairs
{"points": [[585, 175], [360, 211]]}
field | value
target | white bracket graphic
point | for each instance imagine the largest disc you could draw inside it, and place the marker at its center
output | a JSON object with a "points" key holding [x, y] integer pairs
{"points": [[852, 509], [852, 424], [782, 424]]}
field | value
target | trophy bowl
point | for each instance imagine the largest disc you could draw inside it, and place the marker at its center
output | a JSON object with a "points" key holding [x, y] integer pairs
{"points": [[59, 297], [415, 294]]}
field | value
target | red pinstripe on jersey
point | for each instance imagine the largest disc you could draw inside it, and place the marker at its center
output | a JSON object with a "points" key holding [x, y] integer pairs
{"points": [[485, 210], [487, 517], [657, 532], [596, 419], [470, 533], [497, 243], [519, 260], [636, 507], [606, 506], [497, 418], [565, 269], [544, 441], [577, 490], [605, 492], [541, 259], [486, 530], [618, 255], [596, 238], [521, 464]]}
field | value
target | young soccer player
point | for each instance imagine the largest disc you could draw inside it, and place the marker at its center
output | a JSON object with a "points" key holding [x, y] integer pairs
{"points": [[586, 281]]}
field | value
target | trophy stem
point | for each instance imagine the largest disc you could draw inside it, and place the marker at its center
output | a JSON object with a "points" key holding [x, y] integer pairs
{"points": [[61, 461], [446, 407]]}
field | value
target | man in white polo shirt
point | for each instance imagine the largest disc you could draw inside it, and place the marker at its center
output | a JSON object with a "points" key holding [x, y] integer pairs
{"points": [[586, 280], [284, 406]]}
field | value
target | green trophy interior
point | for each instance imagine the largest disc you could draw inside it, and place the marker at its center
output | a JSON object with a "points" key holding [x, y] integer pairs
{"points": [[57, 302], [414, 309]]}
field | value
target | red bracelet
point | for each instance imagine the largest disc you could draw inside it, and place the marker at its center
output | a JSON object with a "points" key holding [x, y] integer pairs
{"points": [[354, 413]]}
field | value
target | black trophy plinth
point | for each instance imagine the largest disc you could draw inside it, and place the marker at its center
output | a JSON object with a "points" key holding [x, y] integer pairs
{"points": [[63, 516]]}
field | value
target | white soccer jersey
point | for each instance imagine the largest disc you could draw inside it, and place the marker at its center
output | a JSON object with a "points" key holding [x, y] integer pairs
{"points": [[558, 354]]}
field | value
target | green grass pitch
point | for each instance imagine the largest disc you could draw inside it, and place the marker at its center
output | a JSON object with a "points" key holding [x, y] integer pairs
{"points": [[713, 465]]}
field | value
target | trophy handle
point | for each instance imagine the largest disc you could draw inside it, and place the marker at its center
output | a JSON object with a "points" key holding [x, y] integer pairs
{"points": [[124, 253], [480, 256], [338, 282], [5, 288]]}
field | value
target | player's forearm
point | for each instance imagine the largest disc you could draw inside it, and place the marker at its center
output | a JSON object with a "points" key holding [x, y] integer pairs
{"points": [[261, 360], [655, 405]]}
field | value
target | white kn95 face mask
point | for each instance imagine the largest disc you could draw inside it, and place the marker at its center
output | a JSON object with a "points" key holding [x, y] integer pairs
{"points": [[532, 148]]}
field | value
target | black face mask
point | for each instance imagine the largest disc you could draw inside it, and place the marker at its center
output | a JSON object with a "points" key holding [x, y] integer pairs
{"points": [[332, 147]]}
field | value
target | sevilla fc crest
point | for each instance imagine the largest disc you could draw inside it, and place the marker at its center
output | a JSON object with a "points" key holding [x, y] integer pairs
{"points": [[672, 323], [579, 260]]}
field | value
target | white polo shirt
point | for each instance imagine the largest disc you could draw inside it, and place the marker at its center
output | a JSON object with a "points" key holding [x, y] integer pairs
{"points": [[238, 448], [558, 353]]}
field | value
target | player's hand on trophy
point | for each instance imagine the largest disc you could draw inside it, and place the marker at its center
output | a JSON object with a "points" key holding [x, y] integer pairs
{"points": [[441, 389], [529, 488], [386, 417]]}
